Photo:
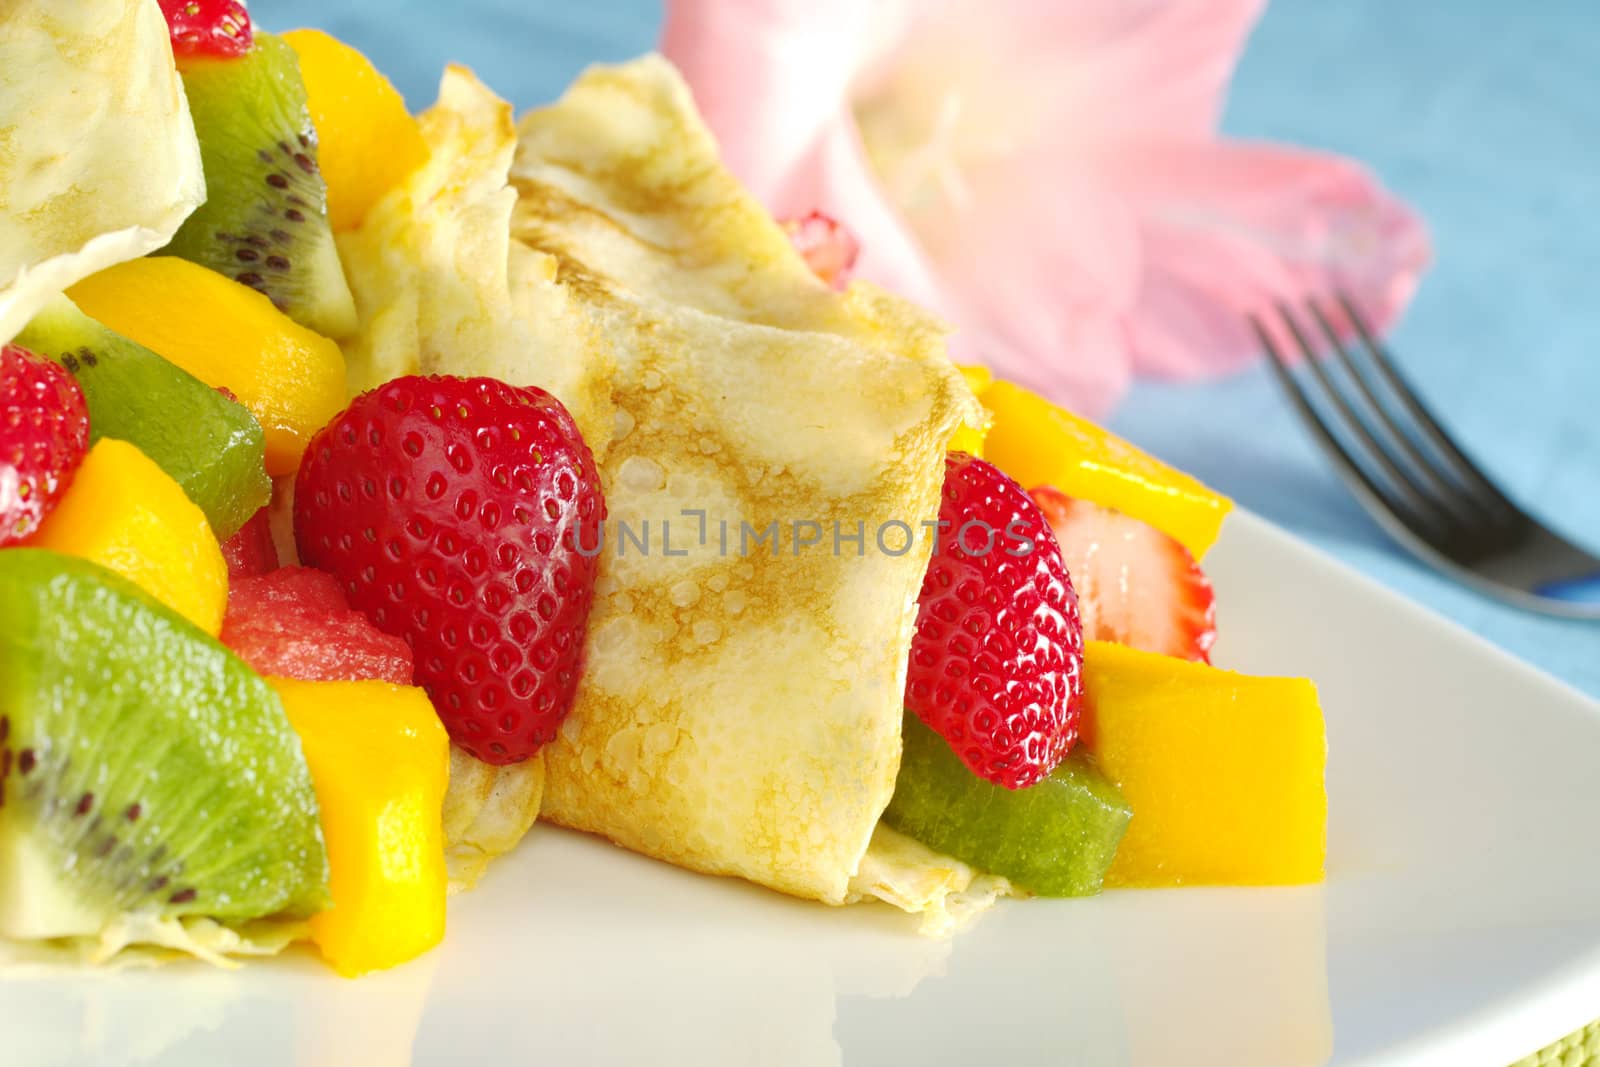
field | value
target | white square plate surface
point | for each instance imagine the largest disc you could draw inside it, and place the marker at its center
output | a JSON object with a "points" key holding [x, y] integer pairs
{"points": [[1460, 923]]}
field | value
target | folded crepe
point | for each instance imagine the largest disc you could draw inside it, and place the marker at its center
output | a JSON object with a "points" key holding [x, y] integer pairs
{"points": [[100, 162], [740, 707]]}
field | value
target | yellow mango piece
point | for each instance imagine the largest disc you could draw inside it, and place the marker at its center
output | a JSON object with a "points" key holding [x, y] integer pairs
{"points": [[1224, 771], [1038, 443], [969, 439], [128, 515], [978, 378], [367, 141], [228, 335], [380, 762]]}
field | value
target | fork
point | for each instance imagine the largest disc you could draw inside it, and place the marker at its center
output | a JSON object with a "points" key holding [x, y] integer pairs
{"points": [[1415, 480]]}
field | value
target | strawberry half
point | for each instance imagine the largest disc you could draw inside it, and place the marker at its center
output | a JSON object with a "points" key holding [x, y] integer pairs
{"points": [[44, 433], [997, 658], [1136, 586], [453, 510]]}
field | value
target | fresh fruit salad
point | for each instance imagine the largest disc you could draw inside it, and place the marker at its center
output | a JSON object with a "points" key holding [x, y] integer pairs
{"points": [[374, 485]]}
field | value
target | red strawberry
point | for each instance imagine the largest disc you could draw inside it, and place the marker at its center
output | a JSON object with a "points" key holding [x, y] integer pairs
{"points": [[251, 551], [44, 433], [208, 27], [829, 249], [453, 511], [997, 658], [295, 623], [1136, 585]]}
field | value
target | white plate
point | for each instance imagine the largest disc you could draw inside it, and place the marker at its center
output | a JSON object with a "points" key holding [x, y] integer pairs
{"points": [[1460, 923]]}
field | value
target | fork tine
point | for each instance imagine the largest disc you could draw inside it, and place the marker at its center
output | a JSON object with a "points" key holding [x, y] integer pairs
{"points": [[1416, 496], [1431, 429], [1353, 472], [1441, 486]]}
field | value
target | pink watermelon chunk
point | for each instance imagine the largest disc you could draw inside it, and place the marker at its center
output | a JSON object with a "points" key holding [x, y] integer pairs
{"points": [[296, 623]]}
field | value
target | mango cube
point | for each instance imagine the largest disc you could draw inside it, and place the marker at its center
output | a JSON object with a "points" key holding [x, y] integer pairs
{"points": [[1224, 771], [366, 140], [226, 334], [380, 763], [1038, 443], [969, 439], [128, 515]]}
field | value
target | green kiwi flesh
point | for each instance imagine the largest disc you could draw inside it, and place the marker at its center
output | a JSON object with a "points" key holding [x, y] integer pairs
{"points": [[1056, 838], [209, 444], [144, 770], [265, 219]]}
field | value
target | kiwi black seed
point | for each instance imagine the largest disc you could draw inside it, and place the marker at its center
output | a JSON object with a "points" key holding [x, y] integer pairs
{"points": [[209, 444], [146, 771], [265, 219]]}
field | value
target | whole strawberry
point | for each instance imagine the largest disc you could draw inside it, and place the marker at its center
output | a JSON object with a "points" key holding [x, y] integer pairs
{"points": [[44, 433], [218, 28], [997, 658], [453, 511]]}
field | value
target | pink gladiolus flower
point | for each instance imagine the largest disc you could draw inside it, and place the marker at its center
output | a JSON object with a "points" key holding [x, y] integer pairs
{"points": [[1046, 175]]}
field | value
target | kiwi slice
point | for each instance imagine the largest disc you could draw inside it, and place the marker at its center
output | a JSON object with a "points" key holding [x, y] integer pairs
{"points": [[210, 445], [265, 219], [1056, 838], [144, 770]]}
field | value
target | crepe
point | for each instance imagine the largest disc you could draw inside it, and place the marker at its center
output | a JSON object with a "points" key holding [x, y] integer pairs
{"points": [[98, 157], [739, 711], [487, 811], [137, 941]]}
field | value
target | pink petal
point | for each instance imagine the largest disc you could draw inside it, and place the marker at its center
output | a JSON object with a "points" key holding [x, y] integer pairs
{"points": [[1091, 362], [1229, 230], [1035, 272], [1167, 62], [771, 76], [1039, 269], [1120, 67], [837, 180], [771, 79], [1091, 226]]}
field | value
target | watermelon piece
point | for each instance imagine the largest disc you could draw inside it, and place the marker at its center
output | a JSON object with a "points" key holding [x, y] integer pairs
{"points": [[250, 552], [295, 623]]}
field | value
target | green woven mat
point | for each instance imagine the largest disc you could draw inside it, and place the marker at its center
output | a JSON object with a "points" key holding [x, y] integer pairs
{"points": [[1581, 1048]]}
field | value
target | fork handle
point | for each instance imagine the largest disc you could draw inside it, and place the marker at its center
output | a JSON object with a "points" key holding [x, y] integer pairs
{"points": [[1584, 589]]}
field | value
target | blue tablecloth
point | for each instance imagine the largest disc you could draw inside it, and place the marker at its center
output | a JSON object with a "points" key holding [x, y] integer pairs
{"points": [[1481, 113]]}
